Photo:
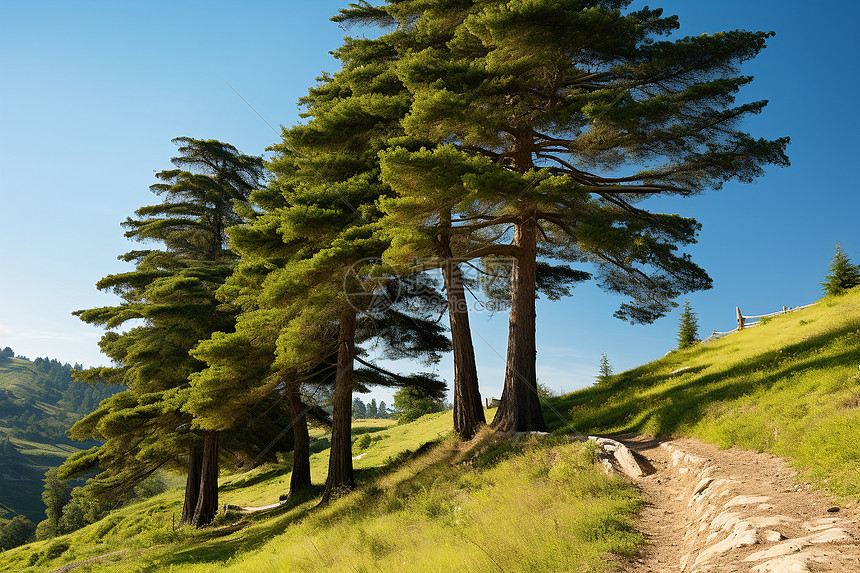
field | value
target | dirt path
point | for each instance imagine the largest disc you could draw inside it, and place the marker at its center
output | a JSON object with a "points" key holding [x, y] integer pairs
{"points": [[712, 510]]}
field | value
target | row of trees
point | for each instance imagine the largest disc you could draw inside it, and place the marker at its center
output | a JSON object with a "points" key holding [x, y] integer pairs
{"points": [[518, 138], [371, 410]]}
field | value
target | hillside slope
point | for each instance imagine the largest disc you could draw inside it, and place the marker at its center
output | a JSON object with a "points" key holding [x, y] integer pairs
{"points": [[790, 387], [39, 401], [425, 502]]}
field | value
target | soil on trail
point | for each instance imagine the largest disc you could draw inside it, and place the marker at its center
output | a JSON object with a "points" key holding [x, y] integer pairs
{"points": [[712, 510]]}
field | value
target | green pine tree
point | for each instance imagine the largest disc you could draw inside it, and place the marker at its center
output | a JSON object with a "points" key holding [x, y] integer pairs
{"points": [[359, 408], [843, 274], [688, 329], [559, 117], [56, 495], [604, 373], [411, 403], [311, 279], [171, 297]]}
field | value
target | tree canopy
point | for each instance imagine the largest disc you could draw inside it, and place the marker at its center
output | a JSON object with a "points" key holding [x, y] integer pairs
{"points": [[522, 138], [688, 327], [550, 123], [169, 301]]}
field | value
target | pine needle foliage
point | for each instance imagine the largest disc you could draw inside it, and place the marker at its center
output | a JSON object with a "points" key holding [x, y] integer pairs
{"points": [[605, 370], [169, 302], [843, 274], [688, 329]]}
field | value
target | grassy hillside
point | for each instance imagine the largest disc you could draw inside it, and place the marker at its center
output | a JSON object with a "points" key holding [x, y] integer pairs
{"points": [[790, 386], [39, 401], [424, 503]]}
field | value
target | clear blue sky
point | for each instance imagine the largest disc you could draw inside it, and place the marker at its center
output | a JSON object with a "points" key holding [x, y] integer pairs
{"points": [[92, 92]]}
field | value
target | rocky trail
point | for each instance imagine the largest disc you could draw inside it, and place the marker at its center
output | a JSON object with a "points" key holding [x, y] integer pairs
{"points": [[712, 510]]}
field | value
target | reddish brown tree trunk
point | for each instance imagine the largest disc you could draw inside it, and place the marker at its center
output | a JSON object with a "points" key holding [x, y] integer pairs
{"points": [[340, 474], [519, 409], [192, 483], [207, 501], [468, 410], [301, 476]]}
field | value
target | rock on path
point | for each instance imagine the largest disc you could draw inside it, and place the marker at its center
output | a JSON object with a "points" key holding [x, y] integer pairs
{"points": [[710, 510]]}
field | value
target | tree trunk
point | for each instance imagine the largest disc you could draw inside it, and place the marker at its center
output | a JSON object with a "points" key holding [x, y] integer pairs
{"points": [[301, 476], [340, 475], [468, 410], [192, 483], [519, 410], [207, 501]]}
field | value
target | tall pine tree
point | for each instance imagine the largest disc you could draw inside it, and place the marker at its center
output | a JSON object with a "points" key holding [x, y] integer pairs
{"points": [[170, 300], [311, 278], [568, 114]]}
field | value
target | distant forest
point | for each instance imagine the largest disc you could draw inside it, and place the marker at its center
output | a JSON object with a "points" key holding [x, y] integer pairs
{"points": [[39, 400], [371, 410]]}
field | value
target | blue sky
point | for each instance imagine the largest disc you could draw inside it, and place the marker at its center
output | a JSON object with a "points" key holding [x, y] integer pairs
{"points": [[92, 92]]}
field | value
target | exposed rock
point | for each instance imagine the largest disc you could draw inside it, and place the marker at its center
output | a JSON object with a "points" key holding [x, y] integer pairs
{"points": [[702, 485], [833, 535], [740, 537], [772, 536], [791, 546], [746, 500], [734, 511], [790, 564], [624, 459], [819, 524]]}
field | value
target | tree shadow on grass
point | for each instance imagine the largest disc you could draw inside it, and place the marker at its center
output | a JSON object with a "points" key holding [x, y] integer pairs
{"points": [[369, 429], [240, 482], [319, 445], [630, 402], [213, 548]]}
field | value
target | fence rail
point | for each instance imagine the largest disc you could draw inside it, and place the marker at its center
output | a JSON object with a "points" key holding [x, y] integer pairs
{"points": [[742, 321]]}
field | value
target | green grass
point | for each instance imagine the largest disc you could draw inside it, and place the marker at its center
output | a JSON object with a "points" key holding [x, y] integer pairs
{"points": [[20, 377], [425, 502], [790, 386], [30, 448]]}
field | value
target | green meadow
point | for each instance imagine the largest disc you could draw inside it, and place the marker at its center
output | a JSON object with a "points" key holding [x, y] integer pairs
{"points": [[427, 502], [789, 386]]}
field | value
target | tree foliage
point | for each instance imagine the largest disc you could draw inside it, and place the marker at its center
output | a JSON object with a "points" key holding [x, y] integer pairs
{"points": [[169, 300], [16, 531], [56, 495], [688, 327], [558, 119], [312, 281], [411, 403], [843, 274], [604, 372], [522, 138]]}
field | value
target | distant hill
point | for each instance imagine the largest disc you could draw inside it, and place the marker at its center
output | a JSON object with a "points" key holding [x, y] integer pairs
{"points": [[39, 401]]}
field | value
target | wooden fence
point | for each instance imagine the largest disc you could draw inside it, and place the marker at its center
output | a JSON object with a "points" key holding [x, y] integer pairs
{"points": [[743, 321]]}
